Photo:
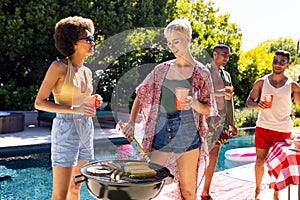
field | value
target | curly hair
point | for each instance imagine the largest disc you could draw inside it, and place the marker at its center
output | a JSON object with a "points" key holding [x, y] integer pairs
{"points": [[68, 31]]}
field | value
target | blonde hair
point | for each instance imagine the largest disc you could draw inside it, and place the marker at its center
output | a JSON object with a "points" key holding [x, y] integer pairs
{"points": [[181, 25]]}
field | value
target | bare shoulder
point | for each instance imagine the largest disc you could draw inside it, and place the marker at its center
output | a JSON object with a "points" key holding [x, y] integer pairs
{"points": [[58, 67], [258, 83], [295, 86]]}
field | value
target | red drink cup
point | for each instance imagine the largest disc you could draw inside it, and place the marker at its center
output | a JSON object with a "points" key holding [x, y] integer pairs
{"points": [[95, 100], [268, 100], [181, 94]]}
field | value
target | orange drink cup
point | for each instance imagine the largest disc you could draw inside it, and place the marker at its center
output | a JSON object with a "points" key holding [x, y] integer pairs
{"points": [[297, 144], [228, 92], [181, 94], [95, 100], [268, 100]]}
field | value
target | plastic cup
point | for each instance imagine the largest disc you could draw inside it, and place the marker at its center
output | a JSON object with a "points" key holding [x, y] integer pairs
{"points": [[228, 92], [181, 94], [268, 100], [95, 100], [297, 144]]}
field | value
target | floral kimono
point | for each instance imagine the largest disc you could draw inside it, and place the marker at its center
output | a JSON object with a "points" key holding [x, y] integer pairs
{"points": [[149, 92]]}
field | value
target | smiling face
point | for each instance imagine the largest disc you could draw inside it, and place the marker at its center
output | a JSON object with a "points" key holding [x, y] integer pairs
{"points": [[280, 63], [178, 43]]}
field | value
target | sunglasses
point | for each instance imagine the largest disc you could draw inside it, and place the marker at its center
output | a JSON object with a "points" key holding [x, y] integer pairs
{"points": [[225, 55], [90, 39], [281, 62]]}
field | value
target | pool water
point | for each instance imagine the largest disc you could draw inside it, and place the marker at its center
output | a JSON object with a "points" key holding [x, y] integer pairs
{"points": [[29, 182], [238, 142]]}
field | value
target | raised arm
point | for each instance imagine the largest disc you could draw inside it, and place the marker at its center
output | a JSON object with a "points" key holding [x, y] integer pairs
{"points": [[255, 94], [296, 93]]}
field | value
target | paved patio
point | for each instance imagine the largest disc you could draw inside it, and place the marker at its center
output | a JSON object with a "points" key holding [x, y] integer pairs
{"points": [[237, 183]]}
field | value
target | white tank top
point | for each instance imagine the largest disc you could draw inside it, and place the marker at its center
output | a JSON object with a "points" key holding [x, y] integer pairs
{"points": [[278, 117]]}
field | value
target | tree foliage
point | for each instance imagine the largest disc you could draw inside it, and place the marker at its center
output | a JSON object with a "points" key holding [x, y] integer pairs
{"points": [[27, 46], [210, 29], [257, 62], [126, 47]]}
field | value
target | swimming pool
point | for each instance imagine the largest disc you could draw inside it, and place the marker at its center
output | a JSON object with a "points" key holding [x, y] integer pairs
{"points": [[31, 175], [35, 183], [238, 142]]}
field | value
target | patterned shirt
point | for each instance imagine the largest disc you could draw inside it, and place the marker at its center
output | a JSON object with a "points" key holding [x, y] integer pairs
{"points": [[149, 92]]}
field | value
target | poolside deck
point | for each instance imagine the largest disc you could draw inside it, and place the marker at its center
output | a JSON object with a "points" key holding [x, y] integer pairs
{"points": [[233, 184]]}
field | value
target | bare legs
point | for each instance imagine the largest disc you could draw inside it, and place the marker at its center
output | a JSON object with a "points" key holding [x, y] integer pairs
{"points": [[187, 167], [159, 157], [261, 155], [213, 159], [64, 187]]}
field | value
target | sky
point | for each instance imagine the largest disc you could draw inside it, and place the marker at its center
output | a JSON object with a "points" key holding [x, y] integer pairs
{"points": [[261, 20]]}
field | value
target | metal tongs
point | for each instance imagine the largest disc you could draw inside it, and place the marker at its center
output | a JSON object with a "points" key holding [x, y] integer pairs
{"points": [[134, 143]]}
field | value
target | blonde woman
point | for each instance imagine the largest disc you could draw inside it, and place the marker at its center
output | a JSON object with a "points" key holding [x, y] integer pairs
{"points": [[168, 131]]}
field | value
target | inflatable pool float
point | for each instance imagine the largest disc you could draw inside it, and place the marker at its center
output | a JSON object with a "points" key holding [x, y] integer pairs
{"points": [[246, 154]]}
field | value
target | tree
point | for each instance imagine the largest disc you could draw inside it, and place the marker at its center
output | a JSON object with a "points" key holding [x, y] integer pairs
{"points": [[210, 29], [25, 50], [257, 62], [27, 47]]}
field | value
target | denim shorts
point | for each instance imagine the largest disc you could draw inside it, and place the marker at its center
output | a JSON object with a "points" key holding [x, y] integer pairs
{"points": [[176, 132], [71, 139]]}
